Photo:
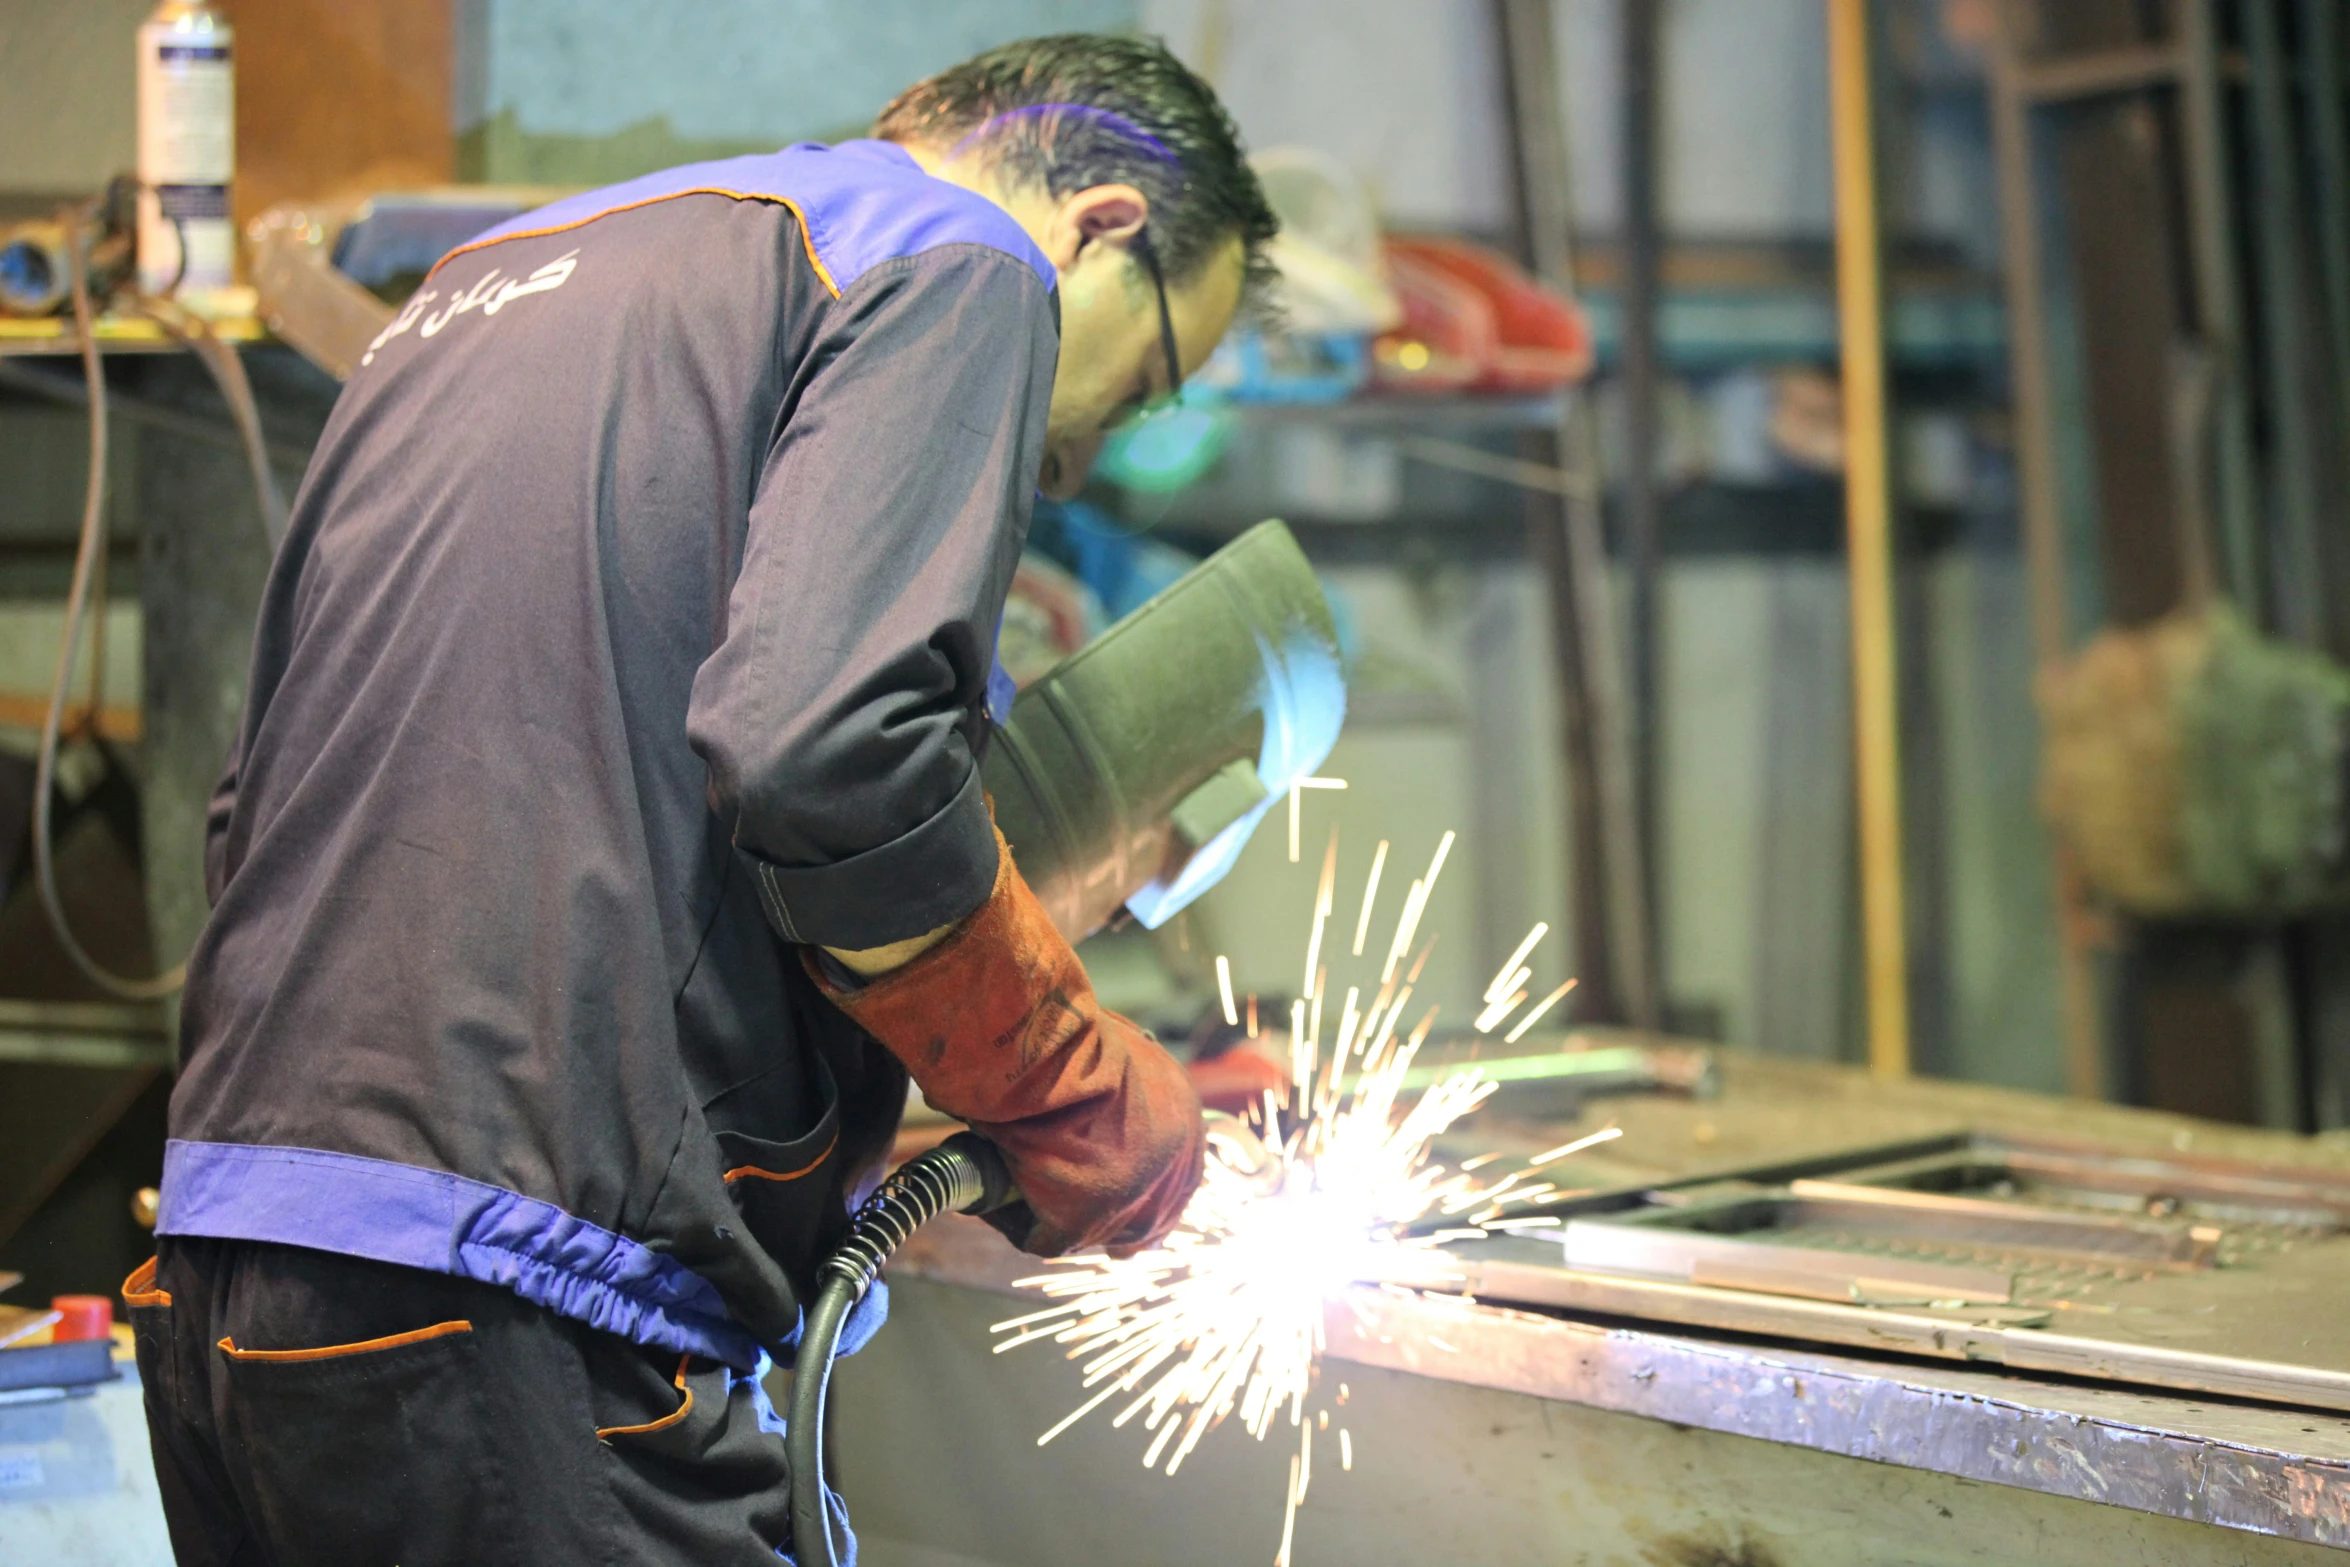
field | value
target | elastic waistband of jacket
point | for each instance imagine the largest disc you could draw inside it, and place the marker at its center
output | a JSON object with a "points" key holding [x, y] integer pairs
{"points": [[391, 1212]]}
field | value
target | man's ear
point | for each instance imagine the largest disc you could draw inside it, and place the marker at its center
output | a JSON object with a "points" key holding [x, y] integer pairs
{"points": [[1100, 213]]}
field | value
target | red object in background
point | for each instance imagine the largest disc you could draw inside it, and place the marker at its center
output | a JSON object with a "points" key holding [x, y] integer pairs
{"points": [[1448, 335], [1236, 1081], [81, 1317], [1474, 320]]}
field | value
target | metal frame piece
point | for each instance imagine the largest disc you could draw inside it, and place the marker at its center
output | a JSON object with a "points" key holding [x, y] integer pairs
{"points": [[2180, 1273], [1868, 500], [1614, 927]]}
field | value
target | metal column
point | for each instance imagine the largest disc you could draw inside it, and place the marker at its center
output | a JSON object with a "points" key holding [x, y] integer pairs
{"points": [[1868, 503]]}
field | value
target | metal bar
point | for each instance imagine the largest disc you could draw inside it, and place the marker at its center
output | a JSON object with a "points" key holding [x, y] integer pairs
{"points": [[85, 1017], [1537, 168], [1608, 872], [1642, 281], [2269, 1473], [83, 1050], [2008, 1226], [65, 1033], [1607, 1246], [1509, 1271], [1868, 501], [2321, 48], [2027, 329], [2278, 220], [20, 710], [1689, 1069], [2012, 1439], [2104, 72], [1545, 478], [2218, 307], [195, 427]]}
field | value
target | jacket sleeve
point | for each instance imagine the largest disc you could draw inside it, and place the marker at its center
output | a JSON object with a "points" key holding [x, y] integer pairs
{"points": [[218, 812], [842, 715]]}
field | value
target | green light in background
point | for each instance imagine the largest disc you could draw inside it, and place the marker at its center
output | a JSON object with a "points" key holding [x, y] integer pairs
{"points": [[1166, 450]]}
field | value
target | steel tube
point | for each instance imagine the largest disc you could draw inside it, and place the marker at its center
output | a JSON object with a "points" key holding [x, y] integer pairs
{"points": [[1868, 502]]}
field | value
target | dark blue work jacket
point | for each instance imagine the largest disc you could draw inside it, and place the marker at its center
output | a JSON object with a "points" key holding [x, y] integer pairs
{"points": [[634, 624]]}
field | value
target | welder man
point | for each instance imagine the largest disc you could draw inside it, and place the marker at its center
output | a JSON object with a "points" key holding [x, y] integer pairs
{"points": [[604, 843]]}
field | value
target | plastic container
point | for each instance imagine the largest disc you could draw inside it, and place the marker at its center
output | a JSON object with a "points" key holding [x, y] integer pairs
{"points": [[1468, 305], [187, 150], [81, 1317]]}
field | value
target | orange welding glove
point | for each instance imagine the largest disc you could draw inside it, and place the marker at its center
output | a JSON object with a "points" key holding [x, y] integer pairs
{"points": [[1000, 1027]]}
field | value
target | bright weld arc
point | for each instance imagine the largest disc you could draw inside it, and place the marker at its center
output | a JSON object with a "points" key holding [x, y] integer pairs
{"points": [[1226, 1316]]}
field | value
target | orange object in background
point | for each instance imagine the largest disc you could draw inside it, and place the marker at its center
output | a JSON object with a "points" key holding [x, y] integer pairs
{"points": [[1476, 321], [81, 1317]]}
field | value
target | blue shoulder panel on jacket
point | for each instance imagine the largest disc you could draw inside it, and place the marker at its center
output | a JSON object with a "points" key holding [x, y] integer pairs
{"points": [[860, 203]]}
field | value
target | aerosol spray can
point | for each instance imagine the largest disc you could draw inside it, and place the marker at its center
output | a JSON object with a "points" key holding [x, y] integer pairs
{"points": [[187, 150]]}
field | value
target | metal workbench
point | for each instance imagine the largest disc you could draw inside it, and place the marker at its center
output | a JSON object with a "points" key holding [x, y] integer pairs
{"points": [[1493, 1434]]}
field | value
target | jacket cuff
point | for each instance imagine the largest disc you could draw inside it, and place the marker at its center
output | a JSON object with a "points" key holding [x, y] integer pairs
{"points": [[932, 876]]}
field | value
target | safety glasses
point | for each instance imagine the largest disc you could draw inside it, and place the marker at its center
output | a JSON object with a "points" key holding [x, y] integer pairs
{"points": [[1150, 261]]}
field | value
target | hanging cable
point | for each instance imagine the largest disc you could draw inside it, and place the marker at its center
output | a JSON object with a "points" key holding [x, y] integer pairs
{"points": [[228, 373]]}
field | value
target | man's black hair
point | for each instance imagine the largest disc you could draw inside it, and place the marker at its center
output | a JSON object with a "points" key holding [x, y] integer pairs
{"points": [[1082, 109]]}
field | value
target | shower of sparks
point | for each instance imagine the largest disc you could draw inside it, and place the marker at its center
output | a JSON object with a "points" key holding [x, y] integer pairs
{"points": [[1517, 1030], [1510, 975], [1225, 1318], [1224, 988], [1370, 897], [1490, 1019], [1297, 792], [1606, 1134]]}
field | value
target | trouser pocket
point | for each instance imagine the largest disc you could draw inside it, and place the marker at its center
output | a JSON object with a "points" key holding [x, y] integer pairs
{"points": [[367, 1451], [788, 1190], [148, 1306], [671, 1427], [199, 1506]]}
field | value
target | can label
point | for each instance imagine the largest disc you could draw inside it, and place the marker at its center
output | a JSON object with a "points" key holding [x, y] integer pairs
{"points": [[187, 158]]}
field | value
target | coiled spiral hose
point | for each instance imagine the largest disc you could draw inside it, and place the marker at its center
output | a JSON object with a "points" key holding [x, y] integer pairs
{"points": [[963, 1174]]}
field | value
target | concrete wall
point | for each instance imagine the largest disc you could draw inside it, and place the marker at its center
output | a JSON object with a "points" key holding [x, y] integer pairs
{"points": [[66, 119], [1406, 92], [577, 91]]}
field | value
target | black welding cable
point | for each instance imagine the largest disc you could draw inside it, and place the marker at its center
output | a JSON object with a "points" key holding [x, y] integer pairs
{"points": [[229, 374], [964, 1174]]}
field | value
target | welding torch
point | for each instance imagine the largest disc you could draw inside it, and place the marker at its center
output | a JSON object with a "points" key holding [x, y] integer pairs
{"points": [[964, 1174]]}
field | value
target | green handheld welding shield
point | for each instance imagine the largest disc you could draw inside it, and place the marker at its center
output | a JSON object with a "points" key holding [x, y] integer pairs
{"points": [[1135, 771]]}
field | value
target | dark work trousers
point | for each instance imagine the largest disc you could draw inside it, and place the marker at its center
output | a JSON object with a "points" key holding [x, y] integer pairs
{"points": [[308, 1408]]}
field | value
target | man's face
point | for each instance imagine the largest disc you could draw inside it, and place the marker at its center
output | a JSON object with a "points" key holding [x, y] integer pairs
{"points": [[1112, 361], [1112, 356]]}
